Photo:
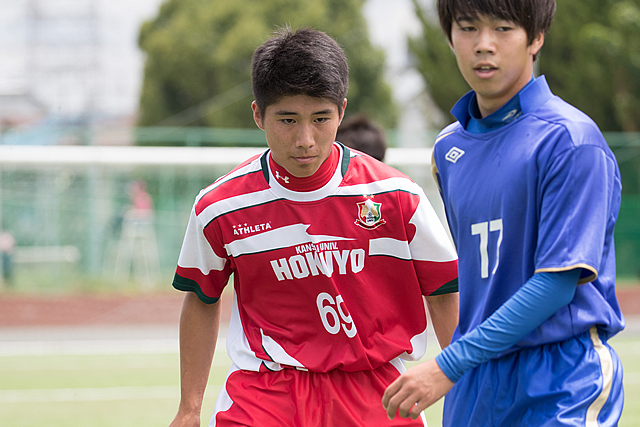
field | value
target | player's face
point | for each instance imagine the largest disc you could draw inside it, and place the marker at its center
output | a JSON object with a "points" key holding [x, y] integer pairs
{"points": [[300, 131], [494, 58]]}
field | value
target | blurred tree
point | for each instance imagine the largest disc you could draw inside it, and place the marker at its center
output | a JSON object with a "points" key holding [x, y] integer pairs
{"points": [[198, 58], [436, 62], [591, 58]]}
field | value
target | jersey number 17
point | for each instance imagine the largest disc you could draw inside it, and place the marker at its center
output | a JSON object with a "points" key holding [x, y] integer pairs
{"points": [[483, 229]]}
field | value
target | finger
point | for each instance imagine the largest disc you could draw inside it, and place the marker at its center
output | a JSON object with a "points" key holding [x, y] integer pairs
{"points": [[421, 405], [391, 391], [394, 403], [391, 409], [408, 406], [416, 410]]}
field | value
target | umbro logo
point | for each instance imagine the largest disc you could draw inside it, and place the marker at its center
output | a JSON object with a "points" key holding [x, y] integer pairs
{"points": [[454, 154]]}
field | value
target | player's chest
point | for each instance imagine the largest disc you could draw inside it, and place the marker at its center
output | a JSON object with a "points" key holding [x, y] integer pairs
{"points": [[489, 174], [282, 224]]}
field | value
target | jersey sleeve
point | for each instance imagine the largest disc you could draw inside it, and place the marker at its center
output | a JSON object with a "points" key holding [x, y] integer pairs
{"points": [[433, 255], [577, 192], [201, 269]]}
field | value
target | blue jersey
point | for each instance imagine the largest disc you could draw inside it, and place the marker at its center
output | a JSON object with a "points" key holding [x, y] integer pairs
{"points": [[540, 194]]}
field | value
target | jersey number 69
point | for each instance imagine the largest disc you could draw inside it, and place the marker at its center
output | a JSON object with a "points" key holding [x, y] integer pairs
{"points": [[326, 311]]}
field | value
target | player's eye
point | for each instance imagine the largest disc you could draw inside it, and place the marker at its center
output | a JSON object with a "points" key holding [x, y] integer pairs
{"points": [[287, 121], [504, 25], [465, 25]]}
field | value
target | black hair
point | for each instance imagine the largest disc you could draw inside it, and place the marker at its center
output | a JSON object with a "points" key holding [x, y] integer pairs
{"points": [[304, 62], [535, 16], [360, 133]]}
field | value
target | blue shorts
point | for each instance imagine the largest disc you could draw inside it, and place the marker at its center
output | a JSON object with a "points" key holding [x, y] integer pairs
{"points": [[577, 382]]}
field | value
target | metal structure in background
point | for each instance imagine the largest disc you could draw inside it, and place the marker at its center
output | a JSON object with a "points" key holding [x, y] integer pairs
{"points": [[66, 205], [77, 196]]}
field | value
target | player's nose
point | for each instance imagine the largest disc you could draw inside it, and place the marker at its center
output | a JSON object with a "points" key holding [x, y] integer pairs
{"points": [[304, 137], [485, 41]]}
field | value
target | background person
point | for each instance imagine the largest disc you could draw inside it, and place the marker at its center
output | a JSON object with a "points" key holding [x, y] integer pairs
{"points": [[7, 247], [362, 134]]}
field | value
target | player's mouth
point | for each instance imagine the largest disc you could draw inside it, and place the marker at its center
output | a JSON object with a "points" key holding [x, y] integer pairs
{"points": [[304, 160], [485, 70]]}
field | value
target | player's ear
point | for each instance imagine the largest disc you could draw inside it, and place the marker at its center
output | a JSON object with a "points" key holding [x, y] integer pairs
{"points": [[536, 44], [344, 107], [257, 115], [451, 46]]}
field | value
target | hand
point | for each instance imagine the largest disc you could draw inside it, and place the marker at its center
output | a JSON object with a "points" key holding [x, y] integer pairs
{"points": [[415, 390], [188, 420]]}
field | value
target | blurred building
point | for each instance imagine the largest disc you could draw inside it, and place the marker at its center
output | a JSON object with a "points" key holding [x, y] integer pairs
{"points": [[390, 24], [69, 65], [70, 61]]}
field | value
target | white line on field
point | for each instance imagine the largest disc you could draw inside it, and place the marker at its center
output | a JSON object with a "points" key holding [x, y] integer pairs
{"points": [[86, 347], [93, 394], [631, 378], [90, 347]]}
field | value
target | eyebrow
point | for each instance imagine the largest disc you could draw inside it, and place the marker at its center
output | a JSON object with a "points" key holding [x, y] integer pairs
{"points": [[293, 113], [467, 18]]}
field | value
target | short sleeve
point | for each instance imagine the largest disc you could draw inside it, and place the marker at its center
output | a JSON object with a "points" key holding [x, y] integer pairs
{"points": [[574, 210], [432, 252], [200, 269]]}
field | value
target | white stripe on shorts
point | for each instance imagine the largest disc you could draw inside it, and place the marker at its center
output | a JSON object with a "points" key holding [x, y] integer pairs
{"points": [[606, 363]]}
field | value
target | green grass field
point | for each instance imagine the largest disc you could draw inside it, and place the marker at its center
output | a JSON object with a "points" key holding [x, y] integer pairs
{"points": [[141, 390]]}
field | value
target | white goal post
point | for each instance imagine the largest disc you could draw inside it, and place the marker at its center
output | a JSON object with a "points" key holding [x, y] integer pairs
{"points": [[57, 162], [67, 155]]}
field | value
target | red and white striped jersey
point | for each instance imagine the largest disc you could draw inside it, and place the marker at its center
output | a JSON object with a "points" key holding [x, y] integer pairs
{"points": [[325, 279]]}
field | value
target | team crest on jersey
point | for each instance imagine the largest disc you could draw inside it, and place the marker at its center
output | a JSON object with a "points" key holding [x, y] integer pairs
{"points": [[369, 214]]}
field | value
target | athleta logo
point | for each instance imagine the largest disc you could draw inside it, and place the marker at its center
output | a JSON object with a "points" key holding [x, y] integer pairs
{"points": [[284, 178], [369, 214], [454, 154], [242, 229]]}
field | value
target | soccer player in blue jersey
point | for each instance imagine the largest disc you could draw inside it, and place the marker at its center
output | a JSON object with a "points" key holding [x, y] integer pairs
{"points": [[531, 192]]}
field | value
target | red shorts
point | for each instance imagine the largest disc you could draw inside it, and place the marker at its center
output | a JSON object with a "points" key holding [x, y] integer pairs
{"points": [[293, 398]]}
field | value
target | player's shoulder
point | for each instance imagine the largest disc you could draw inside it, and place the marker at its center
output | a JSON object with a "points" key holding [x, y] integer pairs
{"points": [[245, 178], [364, 168], [367, 175], [445, 142], [449, 132], [574, 127]]}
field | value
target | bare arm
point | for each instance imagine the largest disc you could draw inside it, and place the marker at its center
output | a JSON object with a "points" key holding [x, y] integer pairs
{"points": [[424, 384], [199, 326], [443, 310]]}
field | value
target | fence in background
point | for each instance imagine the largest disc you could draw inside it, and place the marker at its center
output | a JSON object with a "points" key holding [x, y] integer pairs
{"points": [[69, 208], [60, 201]]}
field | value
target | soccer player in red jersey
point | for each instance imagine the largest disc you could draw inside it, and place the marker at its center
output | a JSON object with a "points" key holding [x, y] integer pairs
{"points": [[332, 253]]}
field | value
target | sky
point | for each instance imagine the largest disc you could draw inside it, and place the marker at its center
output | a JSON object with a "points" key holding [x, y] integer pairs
{"points": [[390, 24]]}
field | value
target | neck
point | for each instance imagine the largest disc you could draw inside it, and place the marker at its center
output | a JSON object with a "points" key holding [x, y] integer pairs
{"points": [[489, 105], [310, 183]]}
